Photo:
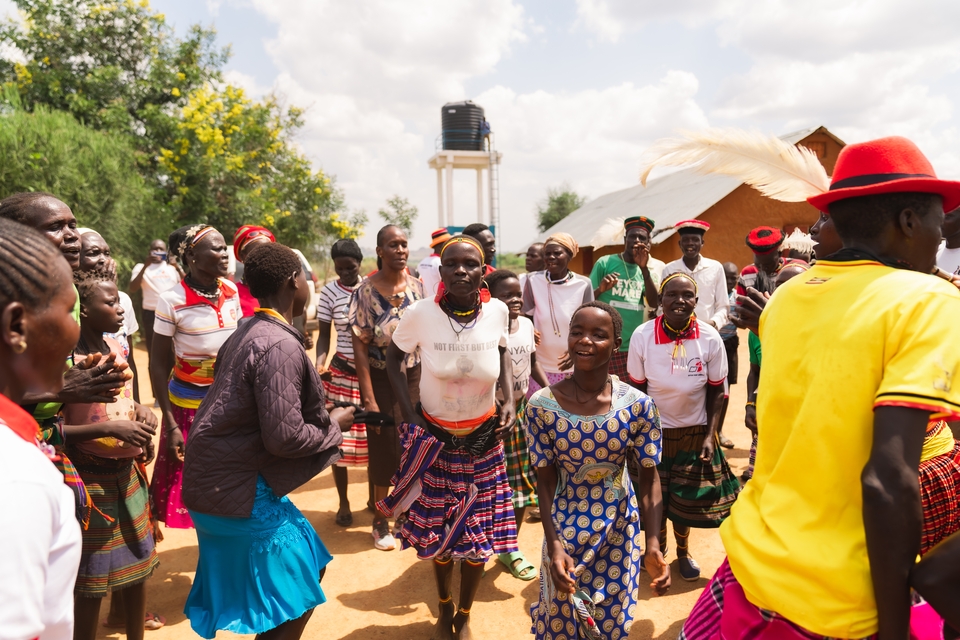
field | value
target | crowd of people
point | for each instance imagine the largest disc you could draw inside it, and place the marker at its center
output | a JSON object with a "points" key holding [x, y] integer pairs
{"points": [[476, 397]]}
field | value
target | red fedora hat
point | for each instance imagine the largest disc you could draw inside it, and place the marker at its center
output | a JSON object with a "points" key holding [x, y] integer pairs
{"points": [[887, 165]]}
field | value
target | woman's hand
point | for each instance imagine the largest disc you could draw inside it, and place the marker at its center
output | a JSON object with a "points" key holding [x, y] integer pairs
{"points": [[706, 453], [132, 432], [148, 453], [144, 415], [537, 337], [508, 418], [565, 362], [750, 418], [343, 416], [371, 406], [175, 441], [175, 444], [659, 571], [561, 568]]}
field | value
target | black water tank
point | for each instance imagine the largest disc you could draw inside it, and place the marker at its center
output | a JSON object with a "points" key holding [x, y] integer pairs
{"points": [[461, 126]]}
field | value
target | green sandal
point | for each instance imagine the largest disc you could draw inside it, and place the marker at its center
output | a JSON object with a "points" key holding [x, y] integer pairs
{"points": [[517, 570]]}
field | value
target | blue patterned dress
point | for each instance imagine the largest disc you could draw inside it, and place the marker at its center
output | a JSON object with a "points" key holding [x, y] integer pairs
{"points": [[595, 509]]}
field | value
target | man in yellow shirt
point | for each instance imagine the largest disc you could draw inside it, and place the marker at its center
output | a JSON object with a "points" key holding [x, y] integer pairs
{"points": [[821, 542]]}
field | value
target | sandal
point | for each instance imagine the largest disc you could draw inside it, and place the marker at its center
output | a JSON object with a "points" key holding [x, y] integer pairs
{"points": [[154, 621], [725, 442], [522, 570], [151, 622]]}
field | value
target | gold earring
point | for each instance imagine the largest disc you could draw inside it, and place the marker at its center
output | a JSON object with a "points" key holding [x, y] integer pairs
{"points": [[19, 347]]}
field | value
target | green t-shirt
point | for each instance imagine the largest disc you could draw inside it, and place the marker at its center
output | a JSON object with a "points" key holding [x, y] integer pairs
{"points": [[627, 295], [753, 343]]}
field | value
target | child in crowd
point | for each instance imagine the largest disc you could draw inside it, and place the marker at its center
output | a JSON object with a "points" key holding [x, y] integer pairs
{"points": [[505, 286], [108, 443]]}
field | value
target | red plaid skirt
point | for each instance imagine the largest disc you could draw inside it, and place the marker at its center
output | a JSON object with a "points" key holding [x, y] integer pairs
{"points": [[940, 498]]}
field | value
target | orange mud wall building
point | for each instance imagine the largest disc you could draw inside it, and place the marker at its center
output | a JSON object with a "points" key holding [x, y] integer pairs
{"points": [[732, 218]]}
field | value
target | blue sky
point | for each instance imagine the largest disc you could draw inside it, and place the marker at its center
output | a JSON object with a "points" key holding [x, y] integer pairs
{"points": [[576, 89]]}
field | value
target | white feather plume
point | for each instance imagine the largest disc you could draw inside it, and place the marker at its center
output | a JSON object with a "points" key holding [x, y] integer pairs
{"points": [[610, 233], [775, 168]]}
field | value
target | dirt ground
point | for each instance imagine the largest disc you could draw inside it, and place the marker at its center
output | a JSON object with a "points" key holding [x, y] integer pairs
{"points": [[391, 596]]}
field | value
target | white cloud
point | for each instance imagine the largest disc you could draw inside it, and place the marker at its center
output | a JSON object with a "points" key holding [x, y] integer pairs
{"points": [[373, 76], [591, 138], [610, 19]]}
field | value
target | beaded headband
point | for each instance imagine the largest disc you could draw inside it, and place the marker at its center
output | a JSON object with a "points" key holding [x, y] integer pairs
{"points": [[461, 239], [674, 276]]}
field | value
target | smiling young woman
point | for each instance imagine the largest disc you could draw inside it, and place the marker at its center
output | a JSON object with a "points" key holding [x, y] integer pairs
{"points": [[582, 432]]}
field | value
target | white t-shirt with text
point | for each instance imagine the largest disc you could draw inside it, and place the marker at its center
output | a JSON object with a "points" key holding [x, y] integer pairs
{"points": [[521, 345], [460, 363], [677, 376]]}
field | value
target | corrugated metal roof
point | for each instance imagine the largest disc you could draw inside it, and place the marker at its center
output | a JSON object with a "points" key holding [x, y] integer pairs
{"points": [[666, 199]]}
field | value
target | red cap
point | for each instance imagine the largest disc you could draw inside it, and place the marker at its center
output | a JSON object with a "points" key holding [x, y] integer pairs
{"points": [[764, 239], [692, 226]]}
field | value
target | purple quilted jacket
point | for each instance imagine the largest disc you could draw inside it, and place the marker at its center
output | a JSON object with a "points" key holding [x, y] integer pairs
{"points": [[264, 414]]}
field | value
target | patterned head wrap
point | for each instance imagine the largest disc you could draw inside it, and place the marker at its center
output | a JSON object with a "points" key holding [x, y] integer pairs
{"points": [[565, 240]]}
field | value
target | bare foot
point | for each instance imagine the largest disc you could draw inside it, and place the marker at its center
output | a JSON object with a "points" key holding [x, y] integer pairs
{"points": [[461, 627], [444, 628]]}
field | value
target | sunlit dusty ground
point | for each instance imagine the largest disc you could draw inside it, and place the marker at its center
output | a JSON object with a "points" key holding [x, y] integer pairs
{"points": [[377, 594]]}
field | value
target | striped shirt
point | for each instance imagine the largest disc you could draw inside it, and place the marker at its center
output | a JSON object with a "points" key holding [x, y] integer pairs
{"points": [[198, 328], [334, 307]]}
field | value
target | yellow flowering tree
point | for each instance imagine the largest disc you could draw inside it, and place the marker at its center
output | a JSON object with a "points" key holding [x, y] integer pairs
{"points": [[233, 161], [209, 152]]}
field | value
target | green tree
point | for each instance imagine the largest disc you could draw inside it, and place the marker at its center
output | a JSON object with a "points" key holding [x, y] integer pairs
{"points": [[233, 162], [401, 213], [559, 203], [93, 171], [208, 152], [114, 65]]}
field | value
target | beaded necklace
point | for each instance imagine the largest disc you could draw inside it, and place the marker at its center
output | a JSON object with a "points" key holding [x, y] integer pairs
{"points": [[553, 315], [199, 289], [679, 351]]}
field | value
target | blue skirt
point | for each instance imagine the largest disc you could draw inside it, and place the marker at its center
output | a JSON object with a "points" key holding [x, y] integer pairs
{"points": [[255, 573]]}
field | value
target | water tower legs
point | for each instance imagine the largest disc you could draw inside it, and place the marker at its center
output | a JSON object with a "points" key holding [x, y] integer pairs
{"points": [[449, 189], [480, 215], [440, 222]]}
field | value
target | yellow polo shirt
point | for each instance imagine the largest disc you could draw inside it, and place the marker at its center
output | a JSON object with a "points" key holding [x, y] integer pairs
{"points": [[838, 341]]}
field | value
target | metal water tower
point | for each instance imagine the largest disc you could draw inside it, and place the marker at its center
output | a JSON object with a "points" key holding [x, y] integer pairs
{"points": [[466, 142]]}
